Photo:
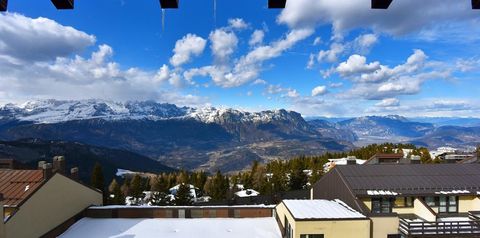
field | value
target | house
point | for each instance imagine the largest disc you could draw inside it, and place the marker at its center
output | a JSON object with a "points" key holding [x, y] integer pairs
{"points": [[409, 200], [176, 221], [349, 160], [37, 201], [381, 158], [321, 218]]}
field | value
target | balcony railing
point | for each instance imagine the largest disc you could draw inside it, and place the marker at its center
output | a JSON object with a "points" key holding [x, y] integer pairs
{"points": [[409, 228]]}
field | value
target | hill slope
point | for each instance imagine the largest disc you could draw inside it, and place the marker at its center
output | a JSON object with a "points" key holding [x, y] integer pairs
{"points": [[30, 151]]}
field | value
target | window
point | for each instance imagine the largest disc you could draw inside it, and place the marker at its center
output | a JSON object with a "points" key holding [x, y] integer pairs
{"points": [[288, 229], [432, 201], [448, 204], [403, 202], [311, 236], [382, 205]]}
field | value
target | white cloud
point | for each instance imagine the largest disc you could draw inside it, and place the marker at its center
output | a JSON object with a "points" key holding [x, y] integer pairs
{"points": [[401, 18], [311, 61], [256, 38], [317, 41], [388, 102], [319, 90], [223, 45], [248, 67], [363, 43], [357, 64], [24, 39], [336, 85], [237, 23], [259, 82], [187, 47], [332, 54], [54, 69]]}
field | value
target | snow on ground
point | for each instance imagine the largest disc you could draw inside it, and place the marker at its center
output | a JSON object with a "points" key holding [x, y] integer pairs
{"points": [[321, 209], [174, 228]]}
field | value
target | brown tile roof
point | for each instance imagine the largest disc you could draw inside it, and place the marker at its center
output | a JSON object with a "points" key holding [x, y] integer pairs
{"points": [[17, 185]]}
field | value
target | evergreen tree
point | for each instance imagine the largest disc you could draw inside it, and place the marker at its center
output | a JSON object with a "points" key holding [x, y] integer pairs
{"points": [[136, 187], [183, 196], [115, 190], [160, 199], [97, 179]]}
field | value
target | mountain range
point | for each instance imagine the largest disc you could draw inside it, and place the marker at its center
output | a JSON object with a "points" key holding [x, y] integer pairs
{"points": [[215, 138]]}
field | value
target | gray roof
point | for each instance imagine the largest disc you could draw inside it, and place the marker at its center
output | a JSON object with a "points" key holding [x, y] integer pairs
{"points": [[412, 179]]}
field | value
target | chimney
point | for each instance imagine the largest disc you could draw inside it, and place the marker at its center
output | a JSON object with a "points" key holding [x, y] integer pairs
{"points": [[47, 171], [40, 164], [74, 173], [351, 160], [59, 164]]}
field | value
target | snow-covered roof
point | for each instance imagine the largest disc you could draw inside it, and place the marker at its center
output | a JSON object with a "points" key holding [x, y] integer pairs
{"points": [[178, 207], [321, 209], [381, 192], [175, 228], [247, 193]]}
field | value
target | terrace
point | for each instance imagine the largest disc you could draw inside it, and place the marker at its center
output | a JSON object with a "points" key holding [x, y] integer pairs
{"points": [[465, 226]]}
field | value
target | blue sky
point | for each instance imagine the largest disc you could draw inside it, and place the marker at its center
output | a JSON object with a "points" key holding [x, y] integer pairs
{"points": [[318, 57]]}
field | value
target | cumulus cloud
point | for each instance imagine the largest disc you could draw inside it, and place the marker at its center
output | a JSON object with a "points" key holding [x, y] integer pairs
{"points": [[256, 38], [237, 23], [25, 39], [317, 41], [60, 74], [386, 82], [357, 64], [332, 54], [248, 67], [223, 45], [363, 43], [319, 90], [186, 48], [403, 17]]}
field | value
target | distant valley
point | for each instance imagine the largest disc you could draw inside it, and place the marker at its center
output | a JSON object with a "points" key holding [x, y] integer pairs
{"points": [[215, 139]]}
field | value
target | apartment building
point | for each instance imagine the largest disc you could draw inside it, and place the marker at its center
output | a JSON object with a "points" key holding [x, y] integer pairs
{"points": [[33, 202], [409, 200]]}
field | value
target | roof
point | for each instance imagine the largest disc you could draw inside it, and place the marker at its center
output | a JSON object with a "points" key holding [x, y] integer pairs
{"points": [[17, 185], [388, 156], [411, 178], [175, 228], [321, 209], [247, 193]]}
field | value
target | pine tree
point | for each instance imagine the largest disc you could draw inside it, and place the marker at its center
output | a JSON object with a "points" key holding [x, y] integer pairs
{"points": [[115, 190], [183, 196], [136, 187], [97, 179]]}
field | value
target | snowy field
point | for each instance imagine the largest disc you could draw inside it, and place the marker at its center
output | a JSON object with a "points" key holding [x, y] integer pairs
{"points": [[174, 228]]}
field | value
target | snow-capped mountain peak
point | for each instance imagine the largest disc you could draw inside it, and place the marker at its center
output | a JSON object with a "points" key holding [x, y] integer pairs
{"points": [[55, 111]]}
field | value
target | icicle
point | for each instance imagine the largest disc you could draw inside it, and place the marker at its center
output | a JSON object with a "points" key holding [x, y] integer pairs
{"points": [[215, 12], [163, 19]]}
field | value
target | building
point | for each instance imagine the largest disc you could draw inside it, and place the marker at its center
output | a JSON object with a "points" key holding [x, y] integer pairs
{"points": [[175, 221], [409, 200], [381, 158], [349, 160], [321, 218], [36, 201]]}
